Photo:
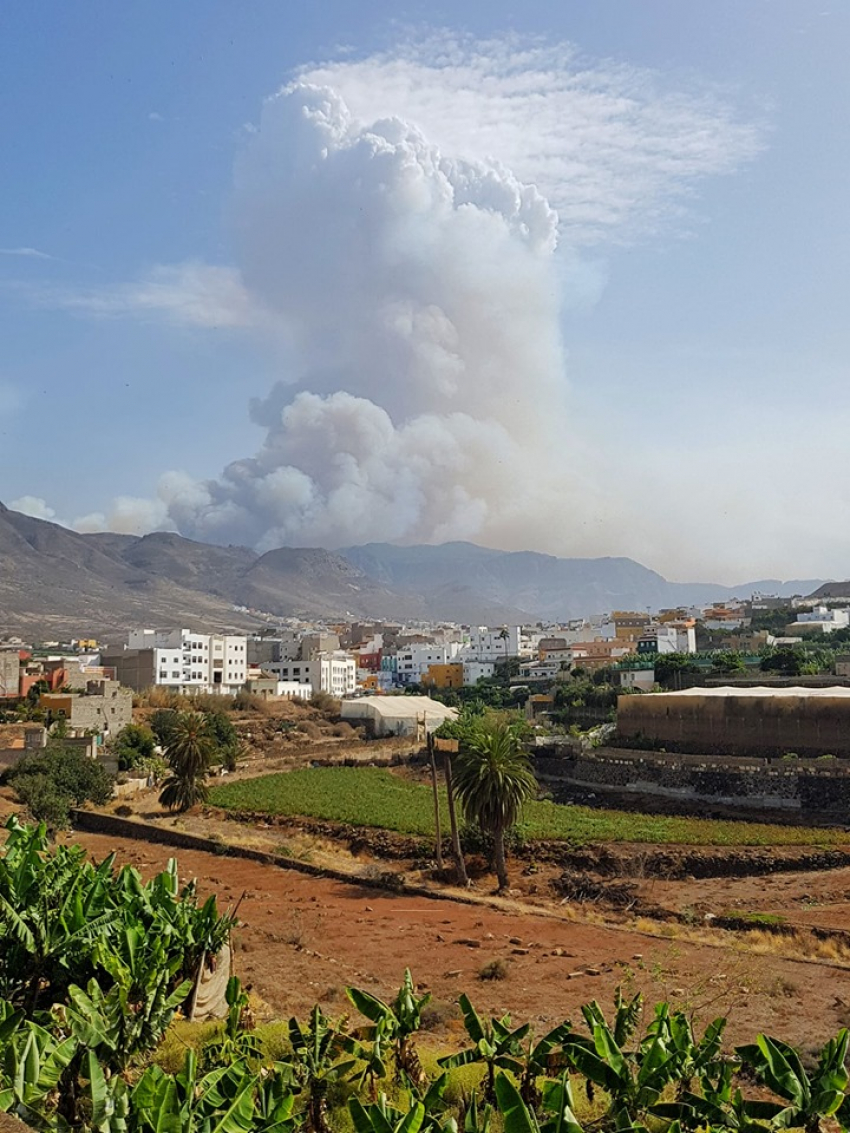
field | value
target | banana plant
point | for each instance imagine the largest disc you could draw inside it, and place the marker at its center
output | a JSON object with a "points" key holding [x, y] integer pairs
{"points": [[476, 1119], [497, 1044], [238, 1043], [274, 1105], [375, 1050], [380, 1117], [808, 1098], [398, 1023], [627, 1013], [108, 1101], [422, 1114], [539, 1058], [171, 913], [718, 1105], [519, 1117], [230, 1099], [695, 1058], [634, 1081], [135, 1013], [53, 907], [33, 1064], [317, 1062]]}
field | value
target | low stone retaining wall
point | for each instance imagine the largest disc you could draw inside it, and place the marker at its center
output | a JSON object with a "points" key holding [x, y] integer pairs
{"points": [[97, 823], [800, 784]]}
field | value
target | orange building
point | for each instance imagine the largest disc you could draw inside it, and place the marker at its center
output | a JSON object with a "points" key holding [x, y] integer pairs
{"points": [[449, 675]]}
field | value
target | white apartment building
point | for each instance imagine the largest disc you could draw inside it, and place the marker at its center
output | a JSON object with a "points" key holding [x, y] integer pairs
{"points": [[473, 671], [668, 638], [337, 673], [334, 672], [413, 660], [194, 662], [494, 644], [820, 619]]}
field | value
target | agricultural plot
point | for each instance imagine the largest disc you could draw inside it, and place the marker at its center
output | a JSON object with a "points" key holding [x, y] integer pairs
{"points": [[106, 1055], [374, 797]]}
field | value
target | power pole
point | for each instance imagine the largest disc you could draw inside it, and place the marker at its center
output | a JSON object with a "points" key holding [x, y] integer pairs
{"points": [[456, 846], [438, 832]]}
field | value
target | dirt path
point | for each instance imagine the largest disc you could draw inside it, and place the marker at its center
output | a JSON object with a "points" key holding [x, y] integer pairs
{"points": [[303, 939]]}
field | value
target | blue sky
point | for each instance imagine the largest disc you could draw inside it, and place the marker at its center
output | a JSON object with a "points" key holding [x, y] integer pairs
{"points": [[166, 260]]}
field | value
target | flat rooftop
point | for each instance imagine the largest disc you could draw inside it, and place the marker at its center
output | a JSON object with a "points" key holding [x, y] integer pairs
{"points": [[759, 691]]}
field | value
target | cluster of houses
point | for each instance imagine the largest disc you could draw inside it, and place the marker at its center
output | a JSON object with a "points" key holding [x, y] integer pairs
{"points": [[89, 684]]}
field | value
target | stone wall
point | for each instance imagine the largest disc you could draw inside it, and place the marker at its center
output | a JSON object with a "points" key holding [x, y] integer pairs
{"points": [[113, 710], [810, 785]]}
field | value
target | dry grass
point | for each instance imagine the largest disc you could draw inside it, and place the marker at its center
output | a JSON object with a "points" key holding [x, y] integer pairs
{"points": [[250, 702], [761, 942], [160, 697], [494, 970]]}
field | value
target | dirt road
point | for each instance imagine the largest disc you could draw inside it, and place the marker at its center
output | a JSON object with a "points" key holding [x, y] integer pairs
{"points": [[303, 939]]}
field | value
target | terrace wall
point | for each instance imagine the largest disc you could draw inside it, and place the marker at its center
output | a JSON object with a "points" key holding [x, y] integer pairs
{"points": [[800, 784]]}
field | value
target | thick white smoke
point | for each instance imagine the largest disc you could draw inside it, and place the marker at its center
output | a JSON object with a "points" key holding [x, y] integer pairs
{"points": [[410, 287], [416, 303]]}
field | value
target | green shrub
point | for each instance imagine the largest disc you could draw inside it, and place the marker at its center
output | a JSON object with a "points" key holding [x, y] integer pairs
{"points": [[133, 744], [474, 840], [162, 724], [51, 781], [225, 736], [44, 801]]}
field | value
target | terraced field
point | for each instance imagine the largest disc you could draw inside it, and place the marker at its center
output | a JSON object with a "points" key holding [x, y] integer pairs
{"points": [[375, 797]]}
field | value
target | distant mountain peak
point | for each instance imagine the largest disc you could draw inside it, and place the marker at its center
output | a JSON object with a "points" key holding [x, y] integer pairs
{"points": [[55, 581]]}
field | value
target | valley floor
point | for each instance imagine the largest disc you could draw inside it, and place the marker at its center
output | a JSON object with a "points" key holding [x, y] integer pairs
{"points": [[303, 939]]}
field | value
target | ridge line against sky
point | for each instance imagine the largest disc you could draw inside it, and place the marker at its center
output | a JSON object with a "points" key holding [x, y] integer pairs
{"points": [[429, 284]]}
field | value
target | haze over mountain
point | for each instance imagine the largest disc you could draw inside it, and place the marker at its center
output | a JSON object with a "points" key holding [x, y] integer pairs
{"points": [[56, 582], [543, 585]]}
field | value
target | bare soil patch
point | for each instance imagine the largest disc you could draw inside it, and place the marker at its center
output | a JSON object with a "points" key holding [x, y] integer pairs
{"points": [[304, 938]]}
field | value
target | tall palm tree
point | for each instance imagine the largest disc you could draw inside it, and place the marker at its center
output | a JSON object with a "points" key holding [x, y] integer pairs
{"points": [[189, 750], [493, 778]]}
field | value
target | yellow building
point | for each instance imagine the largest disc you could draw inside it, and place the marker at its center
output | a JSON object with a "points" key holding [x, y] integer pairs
{"points": [[628, 626], [371, 683], [449, 675]]}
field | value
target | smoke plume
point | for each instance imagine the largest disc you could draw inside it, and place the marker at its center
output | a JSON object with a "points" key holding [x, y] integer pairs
{"points": [[413, 294]]}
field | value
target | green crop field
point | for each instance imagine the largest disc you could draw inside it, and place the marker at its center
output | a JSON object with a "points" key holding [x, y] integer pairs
{"points": [[371, 796]]}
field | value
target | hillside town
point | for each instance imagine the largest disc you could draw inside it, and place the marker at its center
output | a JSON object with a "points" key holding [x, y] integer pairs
{"points": [[565, 674]]}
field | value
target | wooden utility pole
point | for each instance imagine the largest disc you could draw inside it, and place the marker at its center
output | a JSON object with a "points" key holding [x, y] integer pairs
{"points": [[447, 747], [438, 832]]}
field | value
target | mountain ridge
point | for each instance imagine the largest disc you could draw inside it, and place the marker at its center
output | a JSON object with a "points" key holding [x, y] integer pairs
{"points": [[58, 582], [548, 586]]}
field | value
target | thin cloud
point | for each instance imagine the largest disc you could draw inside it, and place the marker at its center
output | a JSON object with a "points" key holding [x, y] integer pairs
{"points": [[611, 146], [26, 253], [189, 294]]}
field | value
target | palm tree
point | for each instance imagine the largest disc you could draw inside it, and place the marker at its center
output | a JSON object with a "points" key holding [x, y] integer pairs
{"points": [[493, 778], [189, 749]]}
